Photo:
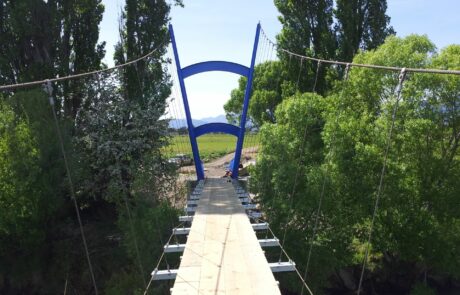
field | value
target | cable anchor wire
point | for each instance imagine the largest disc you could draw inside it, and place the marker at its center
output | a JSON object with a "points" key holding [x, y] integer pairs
{"points": [[48, 88], [398, 91], [318, 67], [402, 77], [347, 71]]}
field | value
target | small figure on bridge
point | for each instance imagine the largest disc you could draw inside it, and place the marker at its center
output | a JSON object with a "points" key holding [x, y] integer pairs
{"points": [[229, 170]]}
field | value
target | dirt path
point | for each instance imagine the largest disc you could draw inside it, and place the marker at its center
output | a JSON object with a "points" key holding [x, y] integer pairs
{"points": [[216, 168]]}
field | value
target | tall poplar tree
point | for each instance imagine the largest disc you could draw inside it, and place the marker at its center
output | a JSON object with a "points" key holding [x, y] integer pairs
{"points": [[361, 24], [307, 29], [39, 240], [145, 84], [42, 39], [143, 28]]}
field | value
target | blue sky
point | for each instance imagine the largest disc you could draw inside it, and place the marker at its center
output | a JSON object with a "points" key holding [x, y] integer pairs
{"points": [[224, 30]]}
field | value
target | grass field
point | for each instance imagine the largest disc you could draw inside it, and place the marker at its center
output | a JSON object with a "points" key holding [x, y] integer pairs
{"points": [[211, 146]]}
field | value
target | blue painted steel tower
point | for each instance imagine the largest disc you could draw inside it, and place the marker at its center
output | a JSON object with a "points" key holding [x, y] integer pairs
{"points": [[207, 66]]}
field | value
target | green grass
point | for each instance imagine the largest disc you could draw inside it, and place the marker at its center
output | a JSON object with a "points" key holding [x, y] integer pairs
{"points": [[211, 146]]}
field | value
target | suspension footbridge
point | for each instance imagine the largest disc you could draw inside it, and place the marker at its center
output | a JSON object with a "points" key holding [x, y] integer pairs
{"points": [[222, 254], [223, 236]]}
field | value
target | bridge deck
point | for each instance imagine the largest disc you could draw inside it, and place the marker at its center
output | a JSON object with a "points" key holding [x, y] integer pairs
{"points": [[222, 254]]}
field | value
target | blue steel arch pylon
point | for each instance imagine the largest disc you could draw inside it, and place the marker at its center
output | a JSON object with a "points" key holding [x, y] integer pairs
{"points": [[207, 66]]}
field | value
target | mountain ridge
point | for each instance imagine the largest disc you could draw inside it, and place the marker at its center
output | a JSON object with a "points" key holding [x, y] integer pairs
{"points": [[180, 123]]}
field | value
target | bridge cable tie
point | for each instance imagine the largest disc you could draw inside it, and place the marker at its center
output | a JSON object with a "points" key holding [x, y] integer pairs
{"points": [[398, 91], [48, 88]]}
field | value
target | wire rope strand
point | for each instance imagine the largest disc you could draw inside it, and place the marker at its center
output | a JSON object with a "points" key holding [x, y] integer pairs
{"points": [[318, 68], [97, 76], [85, 74], [398, 91], [163, 255], [170, 214], [49, 90], [300, 72], [294, 187], [318, 211], [289, 258], [131, 224], [249, 140], [181, 112], [174, 148], [371, 66], [179, 141]]}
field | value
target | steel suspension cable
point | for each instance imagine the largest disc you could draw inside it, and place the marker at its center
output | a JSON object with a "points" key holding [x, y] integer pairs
{"points": [[246, 150], [173, 147], [256, 136], [371, 66], [176, 141], [300, 72], [125, 192], [323, 186], [163, 255], [275, 192], [85, 74], [170, 213], [318, 68], [174, 96], [172, 111], [294, 187], [249, 139], [181, 145], [398, 92], [304, 283], [181, 112], [49, 90], [264, 53], [131, 225]]}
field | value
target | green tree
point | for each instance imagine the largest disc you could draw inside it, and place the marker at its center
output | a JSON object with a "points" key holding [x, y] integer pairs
{"points": [[106, 133], [270, 84], [418, 180], [145, 85], [307, 29], [344, 149], [143, 29], [43, 39], [361, 24], [121, 137], [38, 40], [31, 193]]}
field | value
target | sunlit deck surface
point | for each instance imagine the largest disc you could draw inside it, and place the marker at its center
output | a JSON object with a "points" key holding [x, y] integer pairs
{"points": [[222, 253]]}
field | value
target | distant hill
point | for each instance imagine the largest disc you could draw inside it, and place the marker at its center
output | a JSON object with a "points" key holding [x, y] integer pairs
{"points": [[217, 119], [179, 123]]}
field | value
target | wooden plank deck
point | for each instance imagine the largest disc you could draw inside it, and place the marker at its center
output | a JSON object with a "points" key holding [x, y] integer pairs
{"points": [[222, 254]]}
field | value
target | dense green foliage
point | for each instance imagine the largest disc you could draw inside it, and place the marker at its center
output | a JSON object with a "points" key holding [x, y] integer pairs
{"points": [[339, 141], [330, 30], [315, 29], [270, 84], [30, 187], [326, 147], [361, 24], [113, 137], [42, 39]]}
